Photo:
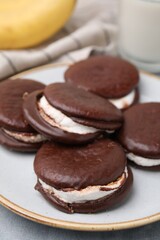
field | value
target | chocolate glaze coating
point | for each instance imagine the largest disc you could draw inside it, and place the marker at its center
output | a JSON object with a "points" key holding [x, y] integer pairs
{"points": [[91, 206], [97, 163], [106, 76], [98, 124], [12, 93], [32, 115], [140, 133], [76, 102], [16, 145]]}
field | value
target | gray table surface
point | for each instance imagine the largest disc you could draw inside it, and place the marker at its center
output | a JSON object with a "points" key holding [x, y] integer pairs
{"points": [[14, 227]]}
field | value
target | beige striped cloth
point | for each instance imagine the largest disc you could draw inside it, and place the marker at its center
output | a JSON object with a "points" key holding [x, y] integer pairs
{"points": [[91, 30]]}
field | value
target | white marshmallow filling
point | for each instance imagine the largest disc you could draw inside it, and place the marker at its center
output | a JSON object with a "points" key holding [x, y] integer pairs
{"points": [[142, 161], [58, 119], [86, 194], [25, 137], [125, 101]]}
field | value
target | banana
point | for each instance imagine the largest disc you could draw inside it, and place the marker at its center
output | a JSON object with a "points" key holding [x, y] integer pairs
{"points": [[26, 23]]}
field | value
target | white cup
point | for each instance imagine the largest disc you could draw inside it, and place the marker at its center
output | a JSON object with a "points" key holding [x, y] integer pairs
{"points": [[139, 36]]}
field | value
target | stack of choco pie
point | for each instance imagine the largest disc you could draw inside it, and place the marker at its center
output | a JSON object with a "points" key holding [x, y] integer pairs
{"points": [[15, 132], [78, 170], [78, 166]]}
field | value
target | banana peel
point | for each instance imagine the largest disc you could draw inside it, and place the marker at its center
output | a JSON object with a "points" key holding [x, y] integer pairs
{"points": [[26, 23]]}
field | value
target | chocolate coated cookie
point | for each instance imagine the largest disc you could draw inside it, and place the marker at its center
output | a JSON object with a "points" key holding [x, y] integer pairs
{"points": [[86, 178], [15, 132]]}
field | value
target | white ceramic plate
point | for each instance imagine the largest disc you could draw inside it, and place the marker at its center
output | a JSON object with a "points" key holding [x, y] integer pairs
{"points": [[17, 179]]}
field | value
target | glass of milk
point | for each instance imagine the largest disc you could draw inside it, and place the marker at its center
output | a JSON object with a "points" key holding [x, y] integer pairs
{"points": [[139, 36]]}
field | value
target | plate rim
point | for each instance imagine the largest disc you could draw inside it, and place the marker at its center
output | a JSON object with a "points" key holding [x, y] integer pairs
{"points": [[70, 224], [76, 225]]}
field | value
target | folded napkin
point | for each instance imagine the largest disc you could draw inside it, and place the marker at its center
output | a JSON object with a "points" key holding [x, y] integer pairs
{"points": [[91, 30]]}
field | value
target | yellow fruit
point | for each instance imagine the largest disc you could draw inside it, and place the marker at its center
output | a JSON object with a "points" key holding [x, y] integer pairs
{"points": [[26, 23]]}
